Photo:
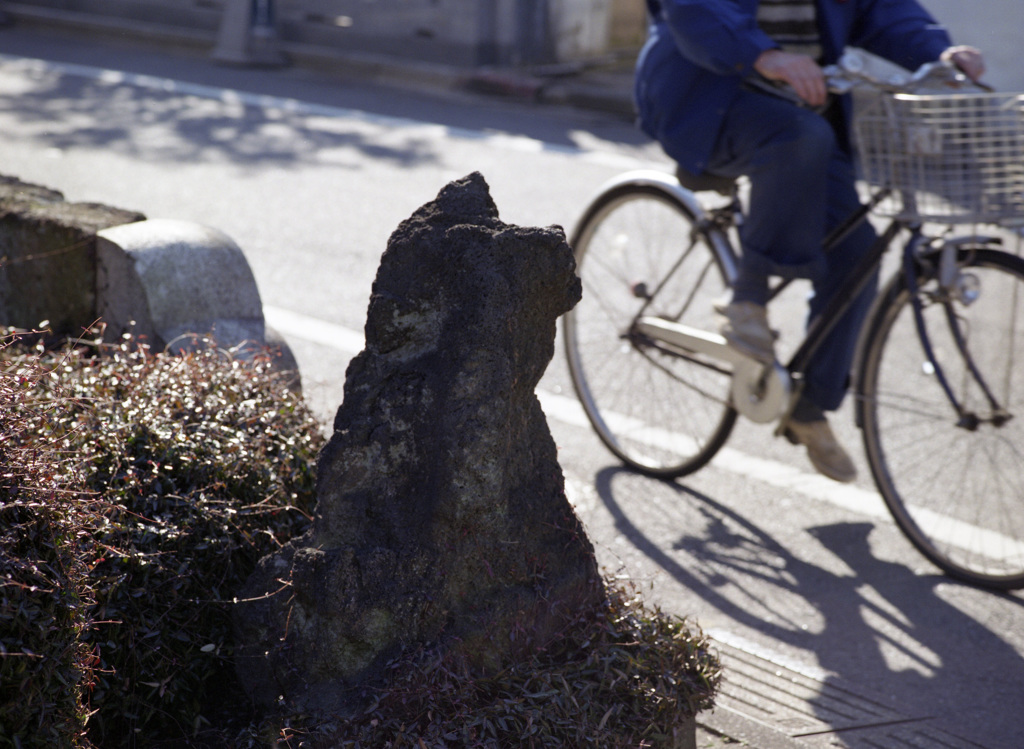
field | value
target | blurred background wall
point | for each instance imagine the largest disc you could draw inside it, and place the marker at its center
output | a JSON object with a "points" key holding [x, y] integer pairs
{"points": [[475, 33]]}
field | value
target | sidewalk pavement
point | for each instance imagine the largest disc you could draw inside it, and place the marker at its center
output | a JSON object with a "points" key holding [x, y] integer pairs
{"points": [[603, 85]]}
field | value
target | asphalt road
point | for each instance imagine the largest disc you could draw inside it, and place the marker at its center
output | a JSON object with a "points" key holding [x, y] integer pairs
{"points": [[836, 632]]}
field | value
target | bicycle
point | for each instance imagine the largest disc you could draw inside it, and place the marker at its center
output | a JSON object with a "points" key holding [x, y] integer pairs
{"points": [[935, 386]]}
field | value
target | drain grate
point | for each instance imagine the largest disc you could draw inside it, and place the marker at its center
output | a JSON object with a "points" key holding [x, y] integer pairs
{"points": [[770, 706]]}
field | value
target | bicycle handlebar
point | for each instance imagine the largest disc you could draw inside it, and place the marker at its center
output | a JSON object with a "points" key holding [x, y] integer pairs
{"points": [[850, 73]]}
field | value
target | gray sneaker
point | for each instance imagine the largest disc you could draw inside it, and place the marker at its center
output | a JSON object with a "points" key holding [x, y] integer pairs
{"points": [[823, 449], [745, 326]]}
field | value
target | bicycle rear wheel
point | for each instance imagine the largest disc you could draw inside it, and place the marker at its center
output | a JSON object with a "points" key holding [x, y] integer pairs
{"points": [[638, 253], [955, 489]]}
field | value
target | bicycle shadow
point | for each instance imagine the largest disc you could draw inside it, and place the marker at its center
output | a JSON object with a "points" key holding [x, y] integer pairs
{"points": [[868, 621]]}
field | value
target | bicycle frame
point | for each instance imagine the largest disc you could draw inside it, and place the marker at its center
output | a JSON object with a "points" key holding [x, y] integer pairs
{"points": [[861, 276], [770, 392]]}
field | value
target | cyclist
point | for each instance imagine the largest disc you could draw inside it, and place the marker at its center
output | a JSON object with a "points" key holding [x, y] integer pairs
{"points": [[694, 97]]}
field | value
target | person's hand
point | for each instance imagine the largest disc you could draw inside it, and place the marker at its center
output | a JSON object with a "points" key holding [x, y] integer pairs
{"points": [[801, 72], [967, 59]]}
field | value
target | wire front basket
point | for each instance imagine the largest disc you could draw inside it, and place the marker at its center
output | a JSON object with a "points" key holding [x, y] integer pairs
{"points": [[948, 158]]}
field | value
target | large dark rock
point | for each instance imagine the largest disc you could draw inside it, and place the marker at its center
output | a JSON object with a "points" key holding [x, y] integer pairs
{"points": [[442, 516]]}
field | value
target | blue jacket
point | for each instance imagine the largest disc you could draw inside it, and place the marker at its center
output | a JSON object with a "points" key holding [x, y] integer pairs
{"points": [[699, 51]]}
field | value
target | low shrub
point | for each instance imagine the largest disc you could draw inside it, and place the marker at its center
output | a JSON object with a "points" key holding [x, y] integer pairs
{"points": [[622, 676], [45, 665], [137, 492], [202, 463]]}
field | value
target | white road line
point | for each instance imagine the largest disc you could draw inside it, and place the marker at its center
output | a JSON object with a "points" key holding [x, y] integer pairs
{"points": [[771, 472], [311, 329], [568, 411]]}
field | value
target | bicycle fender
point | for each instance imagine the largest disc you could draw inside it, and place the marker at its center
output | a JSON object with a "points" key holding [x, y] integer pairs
{"points": [[669, 184], [655, 178]]}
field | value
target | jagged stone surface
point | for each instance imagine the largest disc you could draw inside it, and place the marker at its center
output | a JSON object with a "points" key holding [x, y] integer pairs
{"points": [[441, 510]]}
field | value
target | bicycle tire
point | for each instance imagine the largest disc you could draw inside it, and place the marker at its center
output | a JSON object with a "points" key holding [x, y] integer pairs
{"points": [[662, 414], [956, 493]]}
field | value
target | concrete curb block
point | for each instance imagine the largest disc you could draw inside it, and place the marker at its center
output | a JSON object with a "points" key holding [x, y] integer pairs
{"points": [[170, 283], [175, 282], [169, 278], [48, 257]]}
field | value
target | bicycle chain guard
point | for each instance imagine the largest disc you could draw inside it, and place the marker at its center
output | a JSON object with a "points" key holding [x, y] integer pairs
{"points": [[758, 391]]}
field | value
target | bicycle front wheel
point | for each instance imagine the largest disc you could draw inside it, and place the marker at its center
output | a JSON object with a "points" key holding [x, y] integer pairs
{"points": [[954, 485], [638, 253]]}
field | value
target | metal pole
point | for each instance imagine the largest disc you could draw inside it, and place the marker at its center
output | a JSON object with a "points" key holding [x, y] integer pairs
{"points": [[248, 35]]}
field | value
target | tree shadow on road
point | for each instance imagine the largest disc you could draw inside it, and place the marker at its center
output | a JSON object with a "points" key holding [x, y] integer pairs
{"points": [[446, 105], [59, 97], [158, 121], [867, 621]]}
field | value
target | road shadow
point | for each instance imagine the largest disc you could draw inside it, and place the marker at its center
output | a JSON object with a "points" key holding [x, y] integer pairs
{"points": [[873, 623], [451, 109], [64, 111]]}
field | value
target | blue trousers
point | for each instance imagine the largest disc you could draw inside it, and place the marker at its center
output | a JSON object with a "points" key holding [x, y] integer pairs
{"points": [[802, 184]]}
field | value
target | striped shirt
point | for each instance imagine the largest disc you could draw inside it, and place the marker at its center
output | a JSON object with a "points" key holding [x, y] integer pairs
{"points": [[793, 24]]}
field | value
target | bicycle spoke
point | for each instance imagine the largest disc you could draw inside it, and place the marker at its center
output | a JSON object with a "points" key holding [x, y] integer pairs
{"points": [[954, 487], [637, 253], [685, 382]]}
